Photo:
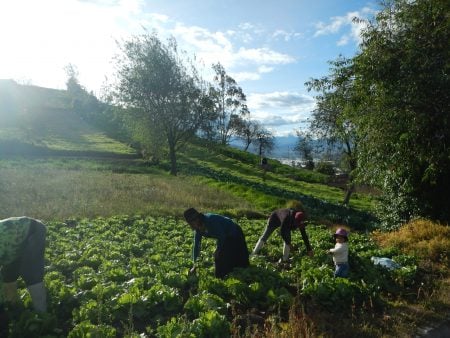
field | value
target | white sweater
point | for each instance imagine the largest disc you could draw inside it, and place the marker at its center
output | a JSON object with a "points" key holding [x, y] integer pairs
{"points": [[340, 253]]}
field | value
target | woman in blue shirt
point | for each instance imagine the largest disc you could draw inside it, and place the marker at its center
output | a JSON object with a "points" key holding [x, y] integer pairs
{"points": [[231, 249]]}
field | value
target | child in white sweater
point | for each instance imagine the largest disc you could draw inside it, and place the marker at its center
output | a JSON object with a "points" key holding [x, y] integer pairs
{"points": [[340, 253]]}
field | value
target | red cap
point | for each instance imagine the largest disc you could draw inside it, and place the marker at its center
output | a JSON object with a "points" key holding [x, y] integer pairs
{"points": [[299, 217]]}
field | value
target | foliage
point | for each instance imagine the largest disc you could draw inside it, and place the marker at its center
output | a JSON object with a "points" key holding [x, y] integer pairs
{"points": [[128, 276], [388, 108], [264, 141], [333, 120], [402, 78], [44, 124], [85, 104], [67, 188], [420, 237], [305, 149], [229, 106], [161, 91], [326, 168]]}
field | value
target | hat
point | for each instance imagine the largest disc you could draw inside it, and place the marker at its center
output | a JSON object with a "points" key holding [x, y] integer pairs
{"points": [[191, 214], [299, 217], [341, 232]]}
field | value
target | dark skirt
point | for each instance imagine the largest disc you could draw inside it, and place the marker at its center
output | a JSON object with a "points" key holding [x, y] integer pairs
{"points": [[233, 254]]}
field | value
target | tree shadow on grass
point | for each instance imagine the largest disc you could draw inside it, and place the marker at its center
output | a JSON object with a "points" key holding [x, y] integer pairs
{"points": [[317, 209]]}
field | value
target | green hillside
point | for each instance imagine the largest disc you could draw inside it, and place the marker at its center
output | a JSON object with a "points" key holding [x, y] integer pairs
{"points": [[40, 121]]}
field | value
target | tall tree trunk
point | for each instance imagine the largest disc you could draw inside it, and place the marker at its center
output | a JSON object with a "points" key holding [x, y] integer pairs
{"points": [[348, 193], [173, 159]]}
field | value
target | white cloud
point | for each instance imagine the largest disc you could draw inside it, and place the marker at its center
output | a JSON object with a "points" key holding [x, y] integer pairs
{"points": [[280, 112], [53, 33], [286, 36], [245, 76], [212, 47], [263, 55], [265, 69], [338, 23], [49, 34], [331, 28], [343, 40], [291, 101]]}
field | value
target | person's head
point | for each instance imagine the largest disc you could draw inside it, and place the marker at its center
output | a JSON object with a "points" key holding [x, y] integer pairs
{"points": [[341, 235], [194, 218], [295, 205], [299, 218]]}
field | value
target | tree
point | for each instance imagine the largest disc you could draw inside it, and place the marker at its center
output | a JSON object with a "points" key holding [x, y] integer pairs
{"points": [[338, 102], [402, 77], [103, 115], [305, 149], [264, 141], [83, 102], [229, 100], [247, 130], [161, 91]]}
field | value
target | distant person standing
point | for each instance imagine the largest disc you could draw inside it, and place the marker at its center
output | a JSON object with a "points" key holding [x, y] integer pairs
{"points": [[22, 245], [287, 219], [265, 167], [340, 253], [231, 249]]}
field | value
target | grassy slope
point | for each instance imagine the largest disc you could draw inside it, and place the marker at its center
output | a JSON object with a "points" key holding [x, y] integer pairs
{"points": [[39, 121], [35, 120], [238, 172]]}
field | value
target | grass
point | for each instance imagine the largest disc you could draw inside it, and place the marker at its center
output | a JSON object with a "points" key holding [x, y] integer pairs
{"points": [[54, 193], [247, 173], [62, 188], [208, 180], [42, 119], [423, 238], [430, 243]]}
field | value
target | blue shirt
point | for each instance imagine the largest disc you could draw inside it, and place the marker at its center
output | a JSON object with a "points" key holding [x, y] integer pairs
{"points": [[216, 226]]}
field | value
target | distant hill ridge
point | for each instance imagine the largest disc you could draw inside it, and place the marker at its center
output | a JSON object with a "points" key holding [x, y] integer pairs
{"points": [[41, 121]]}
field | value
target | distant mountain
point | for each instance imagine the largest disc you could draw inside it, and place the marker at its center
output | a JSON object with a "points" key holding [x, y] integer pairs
{"points": [[284, 147]]}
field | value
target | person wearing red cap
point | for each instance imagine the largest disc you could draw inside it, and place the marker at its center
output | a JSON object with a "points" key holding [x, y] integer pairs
{"points": [[288, 219]]}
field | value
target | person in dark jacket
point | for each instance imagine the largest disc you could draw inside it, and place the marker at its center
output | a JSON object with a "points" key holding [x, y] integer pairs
{"points": [[288, 220], [22, 245], [231, 249]]}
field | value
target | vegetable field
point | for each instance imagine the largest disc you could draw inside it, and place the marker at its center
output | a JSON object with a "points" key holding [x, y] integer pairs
{"points": [[128, 277]]}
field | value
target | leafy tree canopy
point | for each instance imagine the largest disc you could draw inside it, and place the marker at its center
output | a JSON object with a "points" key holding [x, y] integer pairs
{"points": [[162, 92]]}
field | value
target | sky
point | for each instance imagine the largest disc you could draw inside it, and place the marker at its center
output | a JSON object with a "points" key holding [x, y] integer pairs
{"points": [[270, 47]]}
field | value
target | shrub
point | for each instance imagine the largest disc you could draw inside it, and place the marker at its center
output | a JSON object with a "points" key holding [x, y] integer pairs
{"points": [[325, 168], [423, 238]]}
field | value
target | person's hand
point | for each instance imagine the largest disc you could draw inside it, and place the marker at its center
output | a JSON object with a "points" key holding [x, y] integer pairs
{"points": [[192, 271]]}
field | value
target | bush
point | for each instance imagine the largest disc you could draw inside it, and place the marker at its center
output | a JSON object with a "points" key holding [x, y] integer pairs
{"points": [[423, 238], [326, 168]]}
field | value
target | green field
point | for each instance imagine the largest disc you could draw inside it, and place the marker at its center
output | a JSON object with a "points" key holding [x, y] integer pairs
{"points": [[118, 250]]}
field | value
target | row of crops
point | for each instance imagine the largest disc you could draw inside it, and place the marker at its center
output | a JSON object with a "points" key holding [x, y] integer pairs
{"points": [[128, 276]]}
